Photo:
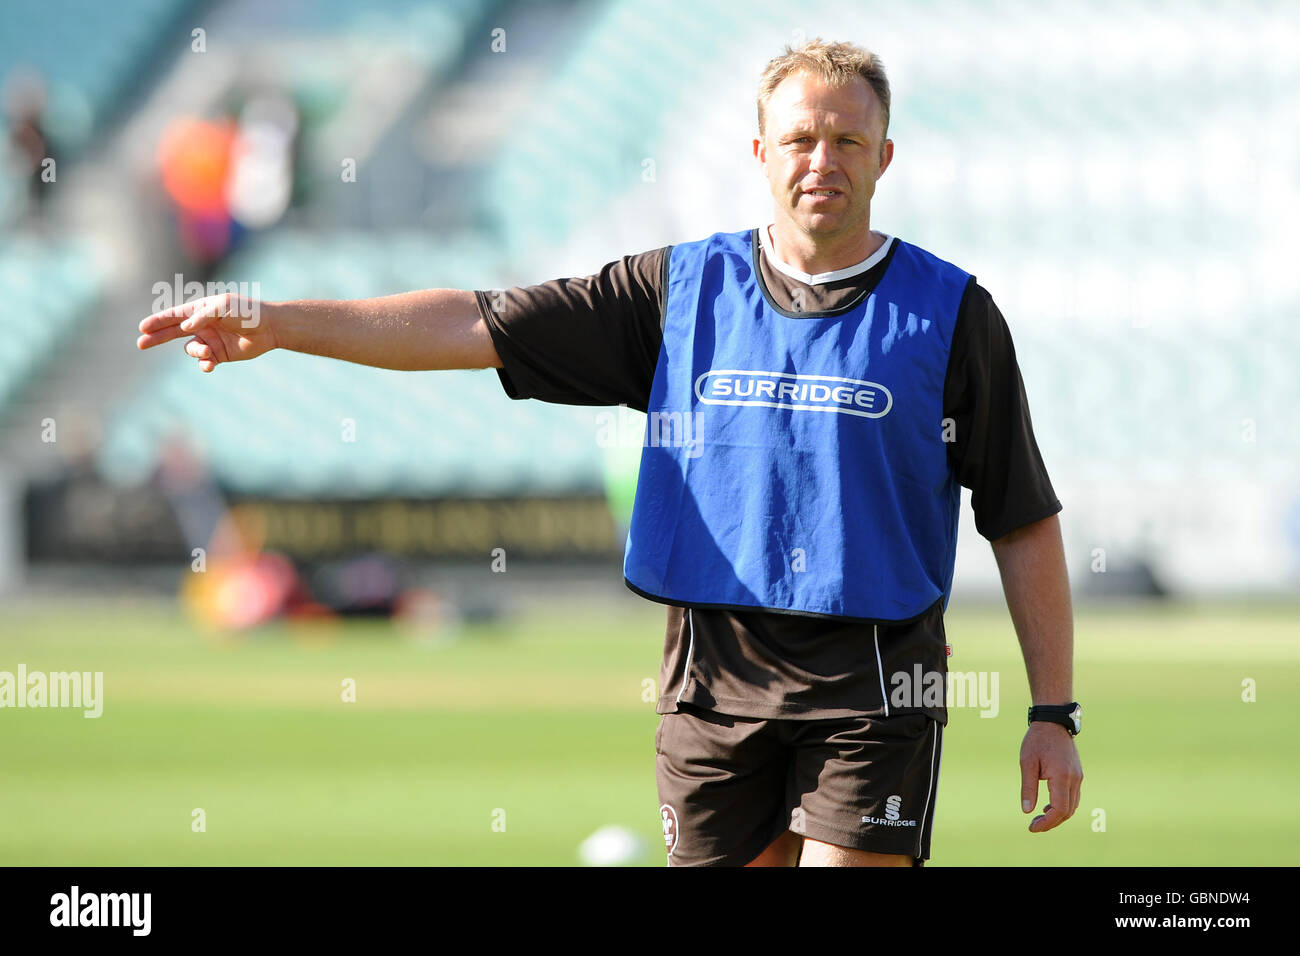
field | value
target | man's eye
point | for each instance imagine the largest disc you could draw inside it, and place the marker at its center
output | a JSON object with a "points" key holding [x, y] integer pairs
{"points": [[808, 139]]}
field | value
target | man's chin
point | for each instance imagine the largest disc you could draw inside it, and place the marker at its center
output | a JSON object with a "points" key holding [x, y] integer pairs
{"points": [[824, 224]]}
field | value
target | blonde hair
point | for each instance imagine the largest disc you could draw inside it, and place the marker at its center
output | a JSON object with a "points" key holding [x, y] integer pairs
{"points": [[835, 63]]}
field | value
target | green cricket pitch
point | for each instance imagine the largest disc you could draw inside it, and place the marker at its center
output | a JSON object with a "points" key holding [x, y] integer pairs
{"points": [[512, 742]]}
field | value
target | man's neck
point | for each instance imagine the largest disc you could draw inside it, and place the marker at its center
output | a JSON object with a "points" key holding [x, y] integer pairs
{"points": [[800, 251]]}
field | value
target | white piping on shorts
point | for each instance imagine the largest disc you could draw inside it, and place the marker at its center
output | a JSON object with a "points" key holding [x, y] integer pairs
{"points": [[880, 669], [690, 652], [920, 833]]}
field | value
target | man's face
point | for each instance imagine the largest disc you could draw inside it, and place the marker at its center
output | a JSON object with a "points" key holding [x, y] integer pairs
{"points": [[822, 153]]}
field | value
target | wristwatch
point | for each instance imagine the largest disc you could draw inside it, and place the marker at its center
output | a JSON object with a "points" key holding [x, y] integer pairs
{"points": [[1068, 716]]}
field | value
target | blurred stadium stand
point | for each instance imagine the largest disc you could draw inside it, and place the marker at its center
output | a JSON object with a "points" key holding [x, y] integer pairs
{"points": [[34, 324], [92, 56], [1120, 176], [277, 430]]}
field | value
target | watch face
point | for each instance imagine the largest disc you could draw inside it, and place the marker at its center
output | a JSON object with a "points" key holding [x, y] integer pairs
{"points": [[1075, 716]]}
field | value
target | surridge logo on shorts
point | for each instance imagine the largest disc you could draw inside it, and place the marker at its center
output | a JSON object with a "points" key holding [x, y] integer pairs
{"points": [[892, 805], [669, 817], [810, 393], [893, 814]]}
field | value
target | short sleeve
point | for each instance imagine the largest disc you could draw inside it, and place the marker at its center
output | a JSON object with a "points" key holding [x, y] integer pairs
{"points": [[581, 341], [993, 451]]}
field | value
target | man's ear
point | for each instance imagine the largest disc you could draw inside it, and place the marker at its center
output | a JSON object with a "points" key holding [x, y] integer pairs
{"points": [[760, 153], [886, 155]]}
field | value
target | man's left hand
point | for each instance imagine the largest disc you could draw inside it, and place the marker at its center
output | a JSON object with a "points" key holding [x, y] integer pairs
{"points": [[1048, 753]]}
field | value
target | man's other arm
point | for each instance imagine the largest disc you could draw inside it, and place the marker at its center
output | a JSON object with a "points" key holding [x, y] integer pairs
{"points": [[1031, 561], [413, 331]]}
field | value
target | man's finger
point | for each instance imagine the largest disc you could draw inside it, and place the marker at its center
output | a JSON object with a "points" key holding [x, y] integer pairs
{"points": [[1054, 817], [216, 345], [1058, 792], [197, 348], [170, 318], [151, 339], [1058, 808], [1028, 782], [209, 314]]}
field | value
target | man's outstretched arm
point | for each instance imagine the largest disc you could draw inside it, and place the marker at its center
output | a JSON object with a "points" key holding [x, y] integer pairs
{"points": [[1031, 561], [429, 329]]}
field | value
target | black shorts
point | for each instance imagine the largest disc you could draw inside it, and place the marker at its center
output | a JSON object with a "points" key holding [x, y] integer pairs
{"points": [[729, 786]]}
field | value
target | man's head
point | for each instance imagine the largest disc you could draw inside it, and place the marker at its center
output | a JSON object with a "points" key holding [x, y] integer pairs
{"points": [[823, 116]]}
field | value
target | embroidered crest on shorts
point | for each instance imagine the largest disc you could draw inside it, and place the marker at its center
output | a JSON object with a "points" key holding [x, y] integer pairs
{"points": [[669, 817]]}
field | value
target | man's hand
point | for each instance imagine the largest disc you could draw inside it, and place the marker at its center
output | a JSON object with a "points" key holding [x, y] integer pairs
{"points": [[1048, 753], [226, 328]]}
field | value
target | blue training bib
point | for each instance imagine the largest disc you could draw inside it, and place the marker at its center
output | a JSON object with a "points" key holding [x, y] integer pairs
{"points": [[796, 461]]}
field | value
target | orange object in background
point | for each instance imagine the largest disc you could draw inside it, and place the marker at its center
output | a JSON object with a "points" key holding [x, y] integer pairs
{"points": [[239, 593], [243, 591], [243, 585], [195, 158]]}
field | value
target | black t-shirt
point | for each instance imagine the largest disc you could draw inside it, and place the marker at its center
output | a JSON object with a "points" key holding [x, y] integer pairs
{"points": [[595, 340]]}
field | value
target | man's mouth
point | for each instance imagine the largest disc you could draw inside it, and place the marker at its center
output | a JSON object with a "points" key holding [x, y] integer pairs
{"points": [[825, 193]]}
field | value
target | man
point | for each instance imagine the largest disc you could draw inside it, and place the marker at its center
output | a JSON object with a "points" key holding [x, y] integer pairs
{"points": [[836, 388]]}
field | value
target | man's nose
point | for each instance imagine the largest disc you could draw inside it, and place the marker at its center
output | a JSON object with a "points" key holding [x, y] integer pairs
{"points": [[821, 159]]}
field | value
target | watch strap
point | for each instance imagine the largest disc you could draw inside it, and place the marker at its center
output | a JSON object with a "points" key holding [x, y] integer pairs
{"points": [[1067, 715]]}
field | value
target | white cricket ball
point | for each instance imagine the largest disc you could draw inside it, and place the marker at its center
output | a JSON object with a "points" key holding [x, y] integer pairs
{"points": [[611, 846]]}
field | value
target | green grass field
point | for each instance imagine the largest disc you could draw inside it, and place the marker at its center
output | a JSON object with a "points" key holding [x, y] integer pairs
{"points": [[547, 723]]}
